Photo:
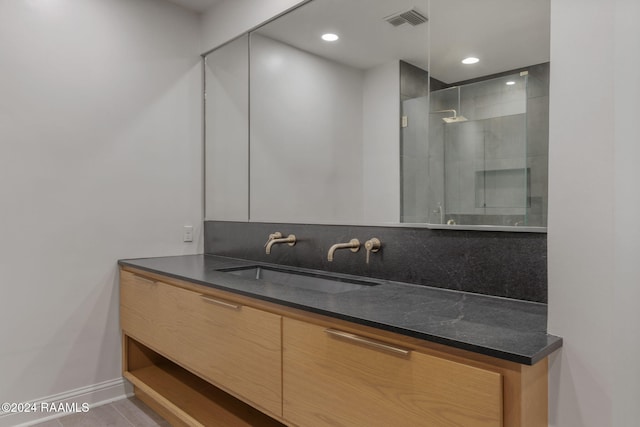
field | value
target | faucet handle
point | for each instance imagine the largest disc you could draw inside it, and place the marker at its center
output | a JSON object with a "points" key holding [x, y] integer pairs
{"points": [[276, 235], [372, 245]]}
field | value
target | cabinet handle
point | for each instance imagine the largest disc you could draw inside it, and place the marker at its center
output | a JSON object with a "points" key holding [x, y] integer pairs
{"points": [[144, 279], [221, 303], [369, 342]]}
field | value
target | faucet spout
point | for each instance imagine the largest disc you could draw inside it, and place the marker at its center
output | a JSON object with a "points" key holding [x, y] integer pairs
{"points": [[354, 245], [277, 238]]}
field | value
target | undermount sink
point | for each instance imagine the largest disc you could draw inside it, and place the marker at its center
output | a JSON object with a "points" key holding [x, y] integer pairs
{"points": [[311, 281]]}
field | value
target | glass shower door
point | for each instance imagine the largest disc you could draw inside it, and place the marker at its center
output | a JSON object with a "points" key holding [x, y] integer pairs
{"points": [[482, 128]]}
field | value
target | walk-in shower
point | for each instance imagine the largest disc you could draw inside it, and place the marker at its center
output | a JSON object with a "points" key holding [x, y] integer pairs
{"points": [[481, 158]]}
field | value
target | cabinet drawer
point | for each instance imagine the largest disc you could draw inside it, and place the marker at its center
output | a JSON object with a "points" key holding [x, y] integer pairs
{"points": [[333, 380], [235, 347], [142, 306]]}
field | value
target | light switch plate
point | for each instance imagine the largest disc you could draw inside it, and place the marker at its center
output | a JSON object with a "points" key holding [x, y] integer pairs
{"points": [[187, 233]]}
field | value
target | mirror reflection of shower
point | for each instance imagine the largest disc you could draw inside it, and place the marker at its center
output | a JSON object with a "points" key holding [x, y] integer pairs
{"points": [[483, 157], [454, 119]]}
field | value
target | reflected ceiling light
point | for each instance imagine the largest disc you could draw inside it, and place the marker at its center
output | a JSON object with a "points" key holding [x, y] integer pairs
{"points": [[510, 83], [330, 37], [470, 60]]}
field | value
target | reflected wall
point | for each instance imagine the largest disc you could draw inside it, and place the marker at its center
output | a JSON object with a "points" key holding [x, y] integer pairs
{"points": [[226, 73]]}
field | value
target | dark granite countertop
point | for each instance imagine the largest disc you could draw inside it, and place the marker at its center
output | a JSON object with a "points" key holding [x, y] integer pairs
{"points": [[504, 328]]}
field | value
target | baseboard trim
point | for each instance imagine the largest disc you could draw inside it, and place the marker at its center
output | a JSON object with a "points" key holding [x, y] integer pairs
{"points": [[93, 395]]}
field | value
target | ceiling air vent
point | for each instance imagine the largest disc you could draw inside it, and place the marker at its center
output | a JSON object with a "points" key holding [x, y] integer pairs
{"points": [[412, 17]]}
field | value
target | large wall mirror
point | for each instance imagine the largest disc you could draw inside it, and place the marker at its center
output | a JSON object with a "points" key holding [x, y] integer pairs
{"points": [[385, 124]]}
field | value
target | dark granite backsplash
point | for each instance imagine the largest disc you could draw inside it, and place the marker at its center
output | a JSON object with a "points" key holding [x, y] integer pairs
{"points": [[512, 265]]}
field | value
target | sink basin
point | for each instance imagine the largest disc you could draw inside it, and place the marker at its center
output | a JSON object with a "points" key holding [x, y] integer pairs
{"points": [[311, 281]]}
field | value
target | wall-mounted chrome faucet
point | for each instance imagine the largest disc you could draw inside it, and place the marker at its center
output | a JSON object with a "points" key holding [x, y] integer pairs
{"points": [[354, 245], [277, 238]]}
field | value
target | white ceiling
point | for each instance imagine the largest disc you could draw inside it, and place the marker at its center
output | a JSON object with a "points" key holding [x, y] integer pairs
{"points": [[366, 39], [196, 5], [504, 34]]}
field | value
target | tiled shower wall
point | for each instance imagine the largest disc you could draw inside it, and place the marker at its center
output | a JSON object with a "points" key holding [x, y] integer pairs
{"points": [[503, 145], [505, 264]]}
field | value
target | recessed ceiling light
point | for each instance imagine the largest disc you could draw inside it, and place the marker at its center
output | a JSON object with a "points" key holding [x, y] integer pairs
{"points": [[330, 37], [510, 83], [470, 60]]}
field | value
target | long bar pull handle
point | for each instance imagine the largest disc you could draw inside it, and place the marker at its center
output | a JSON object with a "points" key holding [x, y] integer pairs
{"points": [[144, 279], [369, 342], [220, 303]]}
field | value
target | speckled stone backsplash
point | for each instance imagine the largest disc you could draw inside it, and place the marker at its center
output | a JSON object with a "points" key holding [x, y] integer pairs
{"points": [[505, 264]]}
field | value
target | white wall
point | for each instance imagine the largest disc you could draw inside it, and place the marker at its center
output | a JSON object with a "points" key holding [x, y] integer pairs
{"points": [[626, 326], [593, 221], [381, 144], [306, 136], [227, 132], [100, 159]]}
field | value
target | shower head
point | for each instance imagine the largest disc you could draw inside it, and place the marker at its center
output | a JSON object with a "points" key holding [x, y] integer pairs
{"points": [[455, 119]]}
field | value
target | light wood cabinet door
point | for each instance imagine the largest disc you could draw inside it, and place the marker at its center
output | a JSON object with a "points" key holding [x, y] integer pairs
{"points": [[235, 347], [141, 312], [333, 379]]}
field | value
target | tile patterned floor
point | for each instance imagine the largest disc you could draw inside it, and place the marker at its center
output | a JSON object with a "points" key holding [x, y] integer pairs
{"points": [[122, 413]]}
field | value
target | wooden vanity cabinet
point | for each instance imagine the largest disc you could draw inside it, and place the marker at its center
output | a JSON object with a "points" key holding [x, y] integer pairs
{"points": [[366, 381], [203, 357], [233, 346]]}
